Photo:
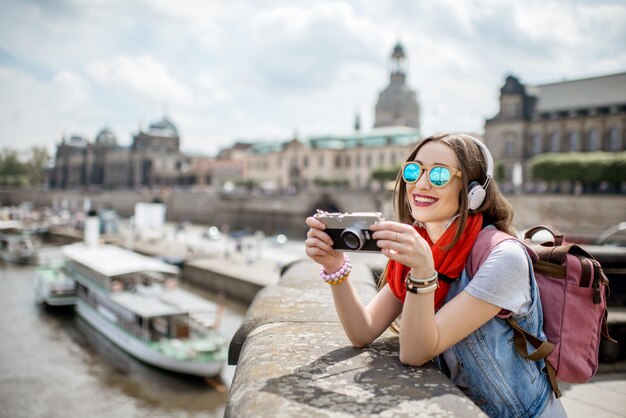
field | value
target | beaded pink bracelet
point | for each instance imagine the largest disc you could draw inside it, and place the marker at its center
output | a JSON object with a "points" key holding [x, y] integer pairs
{"points": [[340, 275]]}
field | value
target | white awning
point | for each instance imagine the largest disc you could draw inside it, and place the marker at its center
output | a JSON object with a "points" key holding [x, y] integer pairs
{"points": [[110, 260], [143, 306]]}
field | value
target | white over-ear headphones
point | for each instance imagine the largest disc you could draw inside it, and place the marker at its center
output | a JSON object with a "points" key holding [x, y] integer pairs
{"points": [[477, 192]]}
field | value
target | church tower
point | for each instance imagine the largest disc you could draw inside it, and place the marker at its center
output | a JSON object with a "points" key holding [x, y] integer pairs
{"points": [[397, 103]]}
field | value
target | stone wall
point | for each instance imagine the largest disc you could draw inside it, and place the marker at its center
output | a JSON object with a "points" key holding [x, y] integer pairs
{"points": [[584, 216], [294, 360]]}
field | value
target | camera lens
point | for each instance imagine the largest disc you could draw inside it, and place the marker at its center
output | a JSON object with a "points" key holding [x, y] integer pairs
{"points": [[353, 237]]}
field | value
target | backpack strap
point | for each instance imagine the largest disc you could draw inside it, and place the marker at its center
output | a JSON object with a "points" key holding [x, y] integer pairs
{"points": [[543, 348], [488, 238]]}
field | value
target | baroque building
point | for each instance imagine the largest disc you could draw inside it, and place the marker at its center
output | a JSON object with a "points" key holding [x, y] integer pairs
{"points": [[347, 160], [397, 103], [153, 159], [583, 115]]}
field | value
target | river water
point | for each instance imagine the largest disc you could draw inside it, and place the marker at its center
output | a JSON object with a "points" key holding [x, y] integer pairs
{"points": [[53, 364]]}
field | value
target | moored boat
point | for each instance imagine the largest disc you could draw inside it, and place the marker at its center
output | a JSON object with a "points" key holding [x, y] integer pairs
{"points": [[17, 245], [135, 301]]}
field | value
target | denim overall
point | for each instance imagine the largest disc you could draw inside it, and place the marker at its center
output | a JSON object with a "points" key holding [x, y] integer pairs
{"points": [[500, 381]]}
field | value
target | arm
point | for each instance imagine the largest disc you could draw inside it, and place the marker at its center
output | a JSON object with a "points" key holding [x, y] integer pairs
{"points": [[424, 335], [364, 324], [361, 324]]}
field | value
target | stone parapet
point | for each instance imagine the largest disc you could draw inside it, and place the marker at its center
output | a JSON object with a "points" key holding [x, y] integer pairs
{"points": [[294, 360]]}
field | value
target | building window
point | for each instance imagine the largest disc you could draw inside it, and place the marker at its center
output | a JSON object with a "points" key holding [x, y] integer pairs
{"points": [[508, 147], [393, 158], [555, 140], [305, 161], [381, 158], [338, 161], [574, 141], [368, 160], [320, 161], [358, 160], [536, 144], [615, 140], [594, 140], [511, 109], [347, 161]]}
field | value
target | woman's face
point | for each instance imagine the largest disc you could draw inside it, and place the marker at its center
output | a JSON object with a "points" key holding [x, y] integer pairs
{"points": [[433, 204]]}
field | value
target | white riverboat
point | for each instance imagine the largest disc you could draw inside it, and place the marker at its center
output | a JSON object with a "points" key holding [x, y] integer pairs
{"points": [[16, 243], [135, 301]]}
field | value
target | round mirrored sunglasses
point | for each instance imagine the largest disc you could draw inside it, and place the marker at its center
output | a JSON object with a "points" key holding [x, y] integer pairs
{"points": [[438, 175]]}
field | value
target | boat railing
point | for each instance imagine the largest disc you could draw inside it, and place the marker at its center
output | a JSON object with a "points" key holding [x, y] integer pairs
{"points": [[128, 327], [88, 276]]}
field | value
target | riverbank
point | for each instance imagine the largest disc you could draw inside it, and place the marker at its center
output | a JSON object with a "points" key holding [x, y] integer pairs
{"points": [[582, 217]]}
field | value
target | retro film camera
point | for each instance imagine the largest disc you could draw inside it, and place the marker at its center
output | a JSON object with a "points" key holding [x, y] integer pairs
{"points": [[350, 231]]}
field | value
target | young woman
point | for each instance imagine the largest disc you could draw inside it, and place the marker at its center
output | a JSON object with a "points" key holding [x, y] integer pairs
{"points": [[441, 205]]}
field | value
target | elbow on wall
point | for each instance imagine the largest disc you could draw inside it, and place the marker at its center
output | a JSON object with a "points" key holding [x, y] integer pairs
{"points": [[359, 343], [408, 360]]}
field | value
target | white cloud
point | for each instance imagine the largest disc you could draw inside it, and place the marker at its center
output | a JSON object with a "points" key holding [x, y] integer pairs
{"points": [[74, 94], [142, 75], [39, 113], [214, 90]]}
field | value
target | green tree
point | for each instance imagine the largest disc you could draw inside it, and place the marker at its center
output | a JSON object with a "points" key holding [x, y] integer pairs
{"points": [[12, 171], [339, 182], [15, 173], [10, 163], [386, 173], [588, 168], [37, 164], [500, 172]]}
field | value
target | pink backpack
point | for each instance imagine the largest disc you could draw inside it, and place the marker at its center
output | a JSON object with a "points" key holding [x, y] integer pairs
{"points": [[573, 291]]}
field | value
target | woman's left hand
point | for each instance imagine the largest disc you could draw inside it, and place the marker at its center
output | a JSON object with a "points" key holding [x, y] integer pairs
{"points": [[402, 243]]}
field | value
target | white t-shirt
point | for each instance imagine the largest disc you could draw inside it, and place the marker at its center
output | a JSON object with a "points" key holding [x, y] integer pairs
{"points": [[503, 278]]}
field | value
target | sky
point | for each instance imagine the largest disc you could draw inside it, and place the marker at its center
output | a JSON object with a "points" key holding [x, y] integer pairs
{"points": [[226, 71]]}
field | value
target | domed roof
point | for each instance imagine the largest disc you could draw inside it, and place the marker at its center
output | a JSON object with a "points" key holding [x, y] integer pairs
{"points": [[398, 51], [106, 137], [164, 127], [512, 86]]}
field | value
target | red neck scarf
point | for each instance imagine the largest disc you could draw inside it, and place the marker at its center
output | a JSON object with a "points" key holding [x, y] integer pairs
{"points": [[449, 263]]}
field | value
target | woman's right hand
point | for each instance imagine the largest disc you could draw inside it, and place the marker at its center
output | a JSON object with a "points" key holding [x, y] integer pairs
{"points": [[318, 246]]}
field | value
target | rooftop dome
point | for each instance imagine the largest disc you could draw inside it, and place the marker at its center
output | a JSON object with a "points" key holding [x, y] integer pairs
{"points": [[398, 51], [106, 137], [164, 127]]}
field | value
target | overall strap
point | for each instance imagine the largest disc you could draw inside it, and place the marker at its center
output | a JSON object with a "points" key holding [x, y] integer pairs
{"points": [[543, 348]]}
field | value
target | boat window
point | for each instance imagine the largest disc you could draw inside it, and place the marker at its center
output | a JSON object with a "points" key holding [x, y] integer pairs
{"points": [[181, 327], [160, 325]]}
